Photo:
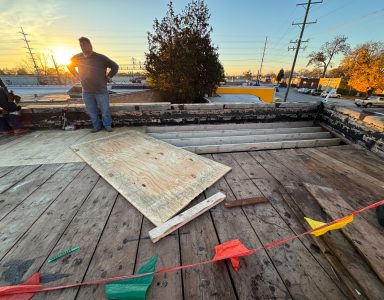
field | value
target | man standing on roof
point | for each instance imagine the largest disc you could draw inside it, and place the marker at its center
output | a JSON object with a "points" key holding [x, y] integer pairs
{"points": [[92, 73]]}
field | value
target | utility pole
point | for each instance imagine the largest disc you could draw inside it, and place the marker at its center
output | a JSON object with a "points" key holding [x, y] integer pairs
{"points": [[262, 60], [299, 41], [36, 68]]}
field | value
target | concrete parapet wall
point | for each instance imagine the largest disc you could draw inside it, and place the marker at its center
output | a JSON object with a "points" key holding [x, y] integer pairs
{"points": [[165, 113], [356, 126]]}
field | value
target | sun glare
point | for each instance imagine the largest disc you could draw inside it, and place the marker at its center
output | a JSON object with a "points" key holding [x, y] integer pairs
{"points": [[63, 56]]}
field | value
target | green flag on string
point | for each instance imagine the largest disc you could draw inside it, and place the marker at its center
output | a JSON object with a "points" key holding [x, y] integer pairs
{"points": [[134, 288]]}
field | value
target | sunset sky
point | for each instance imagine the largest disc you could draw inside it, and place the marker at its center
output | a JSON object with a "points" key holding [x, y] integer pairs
{"points": [[119, 28]]}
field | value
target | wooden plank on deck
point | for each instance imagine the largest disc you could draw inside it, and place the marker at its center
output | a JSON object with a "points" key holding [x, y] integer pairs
{"points": [[302, 274], [197, 241], [33, 249], [359, 159], [275, 193], [15, 176], [18, 221], [25, 187], [84, 231], [367, 239], [257, 277], [185, 217], [304, 205], [115, 254], [345, 168], [346, 261], [166, 285], [262, 146]]}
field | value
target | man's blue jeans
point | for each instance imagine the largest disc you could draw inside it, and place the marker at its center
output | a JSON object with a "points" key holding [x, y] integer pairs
{"points": [[94, 102]]}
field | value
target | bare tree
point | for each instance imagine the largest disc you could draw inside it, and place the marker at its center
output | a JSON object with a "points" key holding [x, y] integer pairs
{"points": [[43, 61], [327, 52]]}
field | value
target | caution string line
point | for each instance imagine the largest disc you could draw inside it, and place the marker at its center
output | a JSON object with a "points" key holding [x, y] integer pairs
{"points": [[37, 288]]}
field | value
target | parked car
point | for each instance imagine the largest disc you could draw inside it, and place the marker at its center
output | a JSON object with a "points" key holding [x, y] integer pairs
{"points": [[315, 92], [370, 101], [331, 95], [304, 90]]}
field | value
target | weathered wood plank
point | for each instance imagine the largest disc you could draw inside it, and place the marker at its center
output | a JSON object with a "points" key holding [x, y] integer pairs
{"points": [[262, 146], [366, 239], [257, 277], [228, 132], [41, 147], [183, 218], [84, 231], [167, 285], [248, 139], [205, 127], [18, 221], [115, 254], [157, 178], [245, 202], [275, 193], [353, 190], [302, 274], [25, 187], [357, 159], [358, 269], [197, 242], [34, 247], [5, 139], [6, 170], [345, 168], [15, 176], [360, 273]]}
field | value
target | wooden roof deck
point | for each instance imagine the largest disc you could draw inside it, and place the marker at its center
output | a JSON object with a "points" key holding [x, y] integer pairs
{"points": [[46, 209]]}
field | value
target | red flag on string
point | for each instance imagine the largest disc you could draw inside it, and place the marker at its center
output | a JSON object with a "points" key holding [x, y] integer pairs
{"points": [[24, 291], [233, 250]]}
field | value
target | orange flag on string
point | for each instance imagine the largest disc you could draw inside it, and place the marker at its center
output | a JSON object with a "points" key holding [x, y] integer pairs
{"points": [[24, 291], [316, 224], [232, 250]]}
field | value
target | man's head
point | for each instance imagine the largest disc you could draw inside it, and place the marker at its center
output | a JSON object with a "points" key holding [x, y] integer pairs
{"points": [[86, 46]]}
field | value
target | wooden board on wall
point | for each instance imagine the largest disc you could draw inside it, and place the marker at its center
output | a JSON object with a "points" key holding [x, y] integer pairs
{"points": [[157, 178]]}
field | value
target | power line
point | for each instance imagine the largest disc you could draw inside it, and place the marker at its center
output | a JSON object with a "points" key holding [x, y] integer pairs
{"points": [[300, 40]]}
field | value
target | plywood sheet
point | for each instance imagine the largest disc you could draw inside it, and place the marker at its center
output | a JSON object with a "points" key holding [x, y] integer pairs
{"points": [[157, 178]]}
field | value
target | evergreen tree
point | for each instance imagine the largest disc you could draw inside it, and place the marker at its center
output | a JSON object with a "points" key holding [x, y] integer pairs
{"points": [[182, 62]]}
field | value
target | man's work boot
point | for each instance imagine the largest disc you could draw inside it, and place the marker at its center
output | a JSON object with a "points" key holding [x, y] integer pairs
{"points": [[109, 129], [94, 130]]}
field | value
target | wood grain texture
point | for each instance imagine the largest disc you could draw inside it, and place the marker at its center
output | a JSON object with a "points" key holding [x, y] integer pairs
{"points": [[197, 242], [341, 166], [157, 178], [224, 140], [205, 127], [19, 220], [228, 132], [37, 243], [116, 251], [176, 222], [46, 147], [245, 202], [25, 187], [226, 148], [84, 231], [302, 274], [367, 239], [346, 261]]}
